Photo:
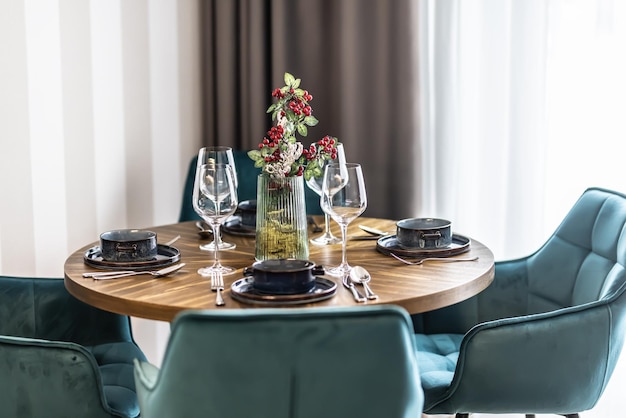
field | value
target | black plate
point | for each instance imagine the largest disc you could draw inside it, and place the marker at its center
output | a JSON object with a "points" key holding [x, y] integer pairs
{"points": [[243, 291], [389, 244], [234, 226], [166, 255]]}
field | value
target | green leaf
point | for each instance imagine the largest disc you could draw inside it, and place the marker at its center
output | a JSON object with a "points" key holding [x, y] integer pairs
{"points": [[307, 174], [259, 163], [255, 155], [289, 79], [271, 108], [299, 92], [302, 130], [311, 120], [296, 83]]}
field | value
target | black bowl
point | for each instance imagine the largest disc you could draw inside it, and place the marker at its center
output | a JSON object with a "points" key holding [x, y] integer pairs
{"points": [[128, 245], [283, 276], [424, 233]]}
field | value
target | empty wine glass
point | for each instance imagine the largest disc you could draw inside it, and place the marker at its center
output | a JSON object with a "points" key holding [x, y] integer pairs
{"points": [[217, 155], [215, 199], [315, 184], [344, 199]]}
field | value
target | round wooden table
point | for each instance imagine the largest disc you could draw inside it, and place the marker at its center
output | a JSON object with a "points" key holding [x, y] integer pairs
{"points": [[417, 288]]}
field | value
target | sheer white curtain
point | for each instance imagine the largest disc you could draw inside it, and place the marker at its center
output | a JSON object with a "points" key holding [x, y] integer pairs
{"points": [[522, 109], [99, 117]]}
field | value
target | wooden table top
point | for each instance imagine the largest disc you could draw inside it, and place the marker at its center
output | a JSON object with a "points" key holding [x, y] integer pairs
{"points": [[418, 288]]}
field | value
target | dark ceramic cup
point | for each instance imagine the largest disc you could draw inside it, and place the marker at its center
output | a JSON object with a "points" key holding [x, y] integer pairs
{"points": [[424, 233], [247, 211], [128, 245], [283, 276]]}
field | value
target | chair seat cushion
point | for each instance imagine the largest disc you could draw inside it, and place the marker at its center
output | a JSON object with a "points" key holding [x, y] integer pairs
{"points": [[115, 361], [437, 355]]}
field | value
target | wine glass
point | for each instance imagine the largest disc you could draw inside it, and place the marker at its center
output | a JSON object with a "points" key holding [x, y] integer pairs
{"points": [[217, 155], [215, 199], [344, 199], [315, 184]]}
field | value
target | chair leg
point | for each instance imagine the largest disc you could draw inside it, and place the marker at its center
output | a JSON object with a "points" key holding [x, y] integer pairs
{"points": [[462, 415], [571, 416], [530, 415]]}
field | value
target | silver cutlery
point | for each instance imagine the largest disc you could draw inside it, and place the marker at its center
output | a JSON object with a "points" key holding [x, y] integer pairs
{"points": [[173, 240], [358, 297], [203, 231], [364, 237], [374, 231], [358, 274], [126, 273], [316, 227], [217, 285], [438, 259]]}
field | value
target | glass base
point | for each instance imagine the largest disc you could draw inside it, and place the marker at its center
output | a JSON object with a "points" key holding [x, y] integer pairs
{"points": [[326, 239], [208, 271], [338, 271], [223, 246]]}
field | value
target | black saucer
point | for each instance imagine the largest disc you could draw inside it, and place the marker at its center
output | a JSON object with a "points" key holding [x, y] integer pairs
{"points": [[243, 291], [166, 255], [234, 226], [389, 244]]}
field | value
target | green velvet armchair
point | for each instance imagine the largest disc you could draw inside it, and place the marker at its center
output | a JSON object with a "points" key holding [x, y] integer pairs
{"points": [[284, 363], [247, 174], [545, 336], [60, 357]]}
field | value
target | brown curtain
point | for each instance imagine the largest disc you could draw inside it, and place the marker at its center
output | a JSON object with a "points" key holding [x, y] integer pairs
{"points": [[355, 57]]}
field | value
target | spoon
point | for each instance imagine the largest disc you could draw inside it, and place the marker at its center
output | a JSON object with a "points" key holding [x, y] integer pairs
{"points": [[315, 225], [359, 275], [204, 232], [347, 283]]}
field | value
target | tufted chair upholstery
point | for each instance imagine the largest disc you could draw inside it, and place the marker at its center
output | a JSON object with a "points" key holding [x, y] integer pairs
{"points": [[247, 174], [60, 357], [280, 363], [546, 335]]}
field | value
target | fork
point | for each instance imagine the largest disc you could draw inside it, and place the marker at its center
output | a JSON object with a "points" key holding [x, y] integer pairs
{"points": [[440, 259], [217, 285]]}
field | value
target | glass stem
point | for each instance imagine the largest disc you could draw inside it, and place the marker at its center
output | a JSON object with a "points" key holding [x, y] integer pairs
{"points": [[344, 258], [216, 237], [327, 225], [216, 233]]}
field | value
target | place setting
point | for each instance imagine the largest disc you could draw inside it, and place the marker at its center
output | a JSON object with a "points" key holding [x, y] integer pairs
{"points": [[129, 252], [418, 240]]}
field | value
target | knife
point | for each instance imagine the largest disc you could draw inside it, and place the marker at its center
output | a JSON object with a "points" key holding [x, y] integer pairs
{"points": [[373, 231]]}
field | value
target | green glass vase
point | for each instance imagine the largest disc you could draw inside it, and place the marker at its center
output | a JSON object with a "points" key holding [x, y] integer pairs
{"points": [[281, 226]]}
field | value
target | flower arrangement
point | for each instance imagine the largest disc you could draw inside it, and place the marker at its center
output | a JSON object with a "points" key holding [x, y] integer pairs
{"points": [[280, 154]]}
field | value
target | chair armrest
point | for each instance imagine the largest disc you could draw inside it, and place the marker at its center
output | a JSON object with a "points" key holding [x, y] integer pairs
{"points": [[537, 359], [501, 299], [146, 374], [63, 379]]}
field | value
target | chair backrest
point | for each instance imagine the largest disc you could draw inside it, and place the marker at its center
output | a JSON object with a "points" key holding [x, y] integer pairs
{"points": [[279, 363], [247, 175], [585, 259], [29, 307]]}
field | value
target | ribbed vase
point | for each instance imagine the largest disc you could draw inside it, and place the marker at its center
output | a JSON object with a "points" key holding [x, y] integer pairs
{"points": [[281, 226]]}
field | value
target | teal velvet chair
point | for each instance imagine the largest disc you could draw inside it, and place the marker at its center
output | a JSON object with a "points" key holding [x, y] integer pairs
{"points": [[60, 357], [545, 336], [247, 175], [285, 363]]}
